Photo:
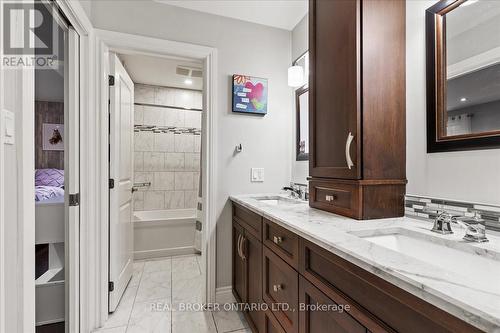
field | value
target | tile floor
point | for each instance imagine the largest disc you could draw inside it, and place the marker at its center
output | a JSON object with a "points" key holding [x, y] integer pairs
{"points": [[155, 291]]}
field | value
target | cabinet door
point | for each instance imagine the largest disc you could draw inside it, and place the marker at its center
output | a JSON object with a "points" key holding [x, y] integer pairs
{"points": [[334, 89], [239, 266], [252, 252], [319, 314]]}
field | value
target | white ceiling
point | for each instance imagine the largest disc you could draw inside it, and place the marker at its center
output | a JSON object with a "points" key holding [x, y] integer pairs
{"points": [[284, 14], [158, 71]]}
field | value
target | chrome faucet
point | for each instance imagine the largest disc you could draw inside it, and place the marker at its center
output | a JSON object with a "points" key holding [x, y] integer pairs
{"points": [[296, 191], [475, 231]]}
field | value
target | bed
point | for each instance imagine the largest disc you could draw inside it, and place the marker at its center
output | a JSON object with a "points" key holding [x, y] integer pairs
{"points": [[49, 206], [49, 229]]}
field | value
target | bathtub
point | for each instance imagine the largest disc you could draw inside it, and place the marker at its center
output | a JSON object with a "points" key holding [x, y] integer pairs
{"points": [[160, 233]]}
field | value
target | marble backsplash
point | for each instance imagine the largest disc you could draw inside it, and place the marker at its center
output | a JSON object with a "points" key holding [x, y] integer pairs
{"points": [[427, 208]]}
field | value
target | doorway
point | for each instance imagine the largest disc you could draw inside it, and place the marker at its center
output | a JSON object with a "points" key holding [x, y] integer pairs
{"points": [[125, 46], [56, 174]]}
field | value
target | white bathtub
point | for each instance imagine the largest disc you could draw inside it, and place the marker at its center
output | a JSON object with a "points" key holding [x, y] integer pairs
{"points": [[160, 233]]}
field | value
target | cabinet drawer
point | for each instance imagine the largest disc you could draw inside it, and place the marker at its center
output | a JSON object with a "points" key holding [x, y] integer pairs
{"points": [[280, 289], [401, 311], [319, 314], [283, 242], [251, 221], [271, 324], [336, 197]]}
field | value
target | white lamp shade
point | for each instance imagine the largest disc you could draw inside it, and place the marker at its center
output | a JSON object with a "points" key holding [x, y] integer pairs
{"points": [[295, 76]]}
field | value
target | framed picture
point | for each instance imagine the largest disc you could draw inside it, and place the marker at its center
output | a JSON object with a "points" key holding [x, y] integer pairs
{"points": [[249, 94], [52, 136]]}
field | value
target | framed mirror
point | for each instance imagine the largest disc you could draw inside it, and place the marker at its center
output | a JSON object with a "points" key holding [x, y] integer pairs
{"points": [[302, 106], [463, 75]]}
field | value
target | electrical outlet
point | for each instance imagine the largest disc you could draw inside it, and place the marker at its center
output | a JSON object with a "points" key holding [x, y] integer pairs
{"points": [[257, 175]]}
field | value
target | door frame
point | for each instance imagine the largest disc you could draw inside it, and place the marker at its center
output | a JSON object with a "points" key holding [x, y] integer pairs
{"points": [[107, 41]]}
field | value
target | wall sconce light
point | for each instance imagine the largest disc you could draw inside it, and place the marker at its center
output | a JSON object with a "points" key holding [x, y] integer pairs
{"points": [[295, 76]]}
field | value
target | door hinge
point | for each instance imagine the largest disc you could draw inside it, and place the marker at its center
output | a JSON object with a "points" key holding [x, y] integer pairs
{"points": [[111, 286], [111, 183], [74, 199], [111, 80]]}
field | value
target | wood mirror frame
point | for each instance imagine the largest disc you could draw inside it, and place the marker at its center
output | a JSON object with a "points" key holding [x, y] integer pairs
{"points": [[300, 156], [437, 140]]}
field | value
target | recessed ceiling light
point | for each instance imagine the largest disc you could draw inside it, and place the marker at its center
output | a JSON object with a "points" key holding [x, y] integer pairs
{"points": [[469, 2], [463, 99], [188, 82]]}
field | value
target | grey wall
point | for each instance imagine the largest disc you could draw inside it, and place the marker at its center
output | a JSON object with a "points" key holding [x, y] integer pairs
{"points": [[465, 176], [243, 48], [300, 44]]}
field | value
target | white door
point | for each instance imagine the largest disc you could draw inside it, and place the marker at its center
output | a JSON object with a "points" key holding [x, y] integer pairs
{"points": [[121, 232], [72, 181]]}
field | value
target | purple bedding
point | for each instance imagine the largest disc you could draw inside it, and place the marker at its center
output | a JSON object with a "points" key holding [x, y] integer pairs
{"points": [[49, 177], [48, 192]]}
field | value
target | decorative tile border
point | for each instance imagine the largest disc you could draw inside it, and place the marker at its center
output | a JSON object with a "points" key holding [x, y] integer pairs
{"points": [[167, 129], [427, 208]]}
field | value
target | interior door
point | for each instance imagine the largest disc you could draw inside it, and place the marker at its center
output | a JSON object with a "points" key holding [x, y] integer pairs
{"points": [[121, 232], [334, 89], [72, 181]]}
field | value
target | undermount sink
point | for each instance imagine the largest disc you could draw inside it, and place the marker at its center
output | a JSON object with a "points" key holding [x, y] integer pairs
{"points": [[456, 256], [279, 200]]}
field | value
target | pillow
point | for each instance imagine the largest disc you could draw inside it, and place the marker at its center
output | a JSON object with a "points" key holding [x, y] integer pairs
{"points": [[47, 192], [49, 177]]}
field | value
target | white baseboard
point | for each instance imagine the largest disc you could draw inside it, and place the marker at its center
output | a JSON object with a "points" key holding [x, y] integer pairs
{"points": [[176, 251], [224, 295]]}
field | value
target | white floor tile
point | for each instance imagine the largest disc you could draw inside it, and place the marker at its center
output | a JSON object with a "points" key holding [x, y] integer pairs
{"points": [[158, 265], [122, 313], [146, 319], [158, 286], [121, 329], [228, 321], [154, 285], [187, 322]]}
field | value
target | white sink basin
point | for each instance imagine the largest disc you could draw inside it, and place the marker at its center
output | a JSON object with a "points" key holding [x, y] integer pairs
{"points": [[482, 267], [278, 200]]}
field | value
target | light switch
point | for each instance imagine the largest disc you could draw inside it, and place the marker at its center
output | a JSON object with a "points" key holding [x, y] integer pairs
{"points": [[257, 175], [9, 127]]}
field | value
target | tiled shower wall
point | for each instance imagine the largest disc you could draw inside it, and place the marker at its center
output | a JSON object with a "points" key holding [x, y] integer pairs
{"points": [[167, 141]]}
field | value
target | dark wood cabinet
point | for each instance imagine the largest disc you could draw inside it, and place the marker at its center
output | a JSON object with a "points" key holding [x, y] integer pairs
{"points": [[357, 136], [239, 269], [280, 290], [247, 262], [295, 276], [315, 320]]}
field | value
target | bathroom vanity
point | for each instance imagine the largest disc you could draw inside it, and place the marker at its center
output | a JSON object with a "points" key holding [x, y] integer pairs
{"points": [[319, 272]]}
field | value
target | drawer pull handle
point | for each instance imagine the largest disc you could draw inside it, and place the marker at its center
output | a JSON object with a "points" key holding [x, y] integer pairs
{"points": [[277, 287], [330, 198], [348, 159], [243, 240], [277, 239], [239, 246]]}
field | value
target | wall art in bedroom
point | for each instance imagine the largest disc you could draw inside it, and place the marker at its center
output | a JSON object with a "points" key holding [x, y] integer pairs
{"points": [[53, 135], [249, 94]]}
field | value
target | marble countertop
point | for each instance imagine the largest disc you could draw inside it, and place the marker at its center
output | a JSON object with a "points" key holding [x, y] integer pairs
{"points": [[473, 302]]}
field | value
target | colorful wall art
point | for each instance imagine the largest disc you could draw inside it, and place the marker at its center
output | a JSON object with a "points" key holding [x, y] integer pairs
{"points": [[249, 94]]}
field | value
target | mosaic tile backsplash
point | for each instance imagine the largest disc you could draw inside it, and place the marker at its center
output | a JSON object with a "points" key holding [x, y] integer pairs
{"points": [[167, 141], [427, 208]]}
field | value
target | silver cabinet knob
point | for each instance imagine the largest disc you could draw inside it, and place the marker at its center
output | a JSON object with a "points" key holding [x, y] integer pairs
{"points": [[330, 198], [277, 239], [277, 287]]}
